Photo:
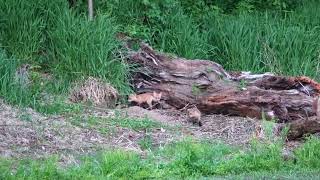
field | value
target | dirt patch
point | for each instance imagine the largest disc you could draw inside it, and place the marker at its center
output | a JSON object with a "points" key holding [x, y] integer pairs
{"points": [[26, 133], [162, 116], [230, 129]]}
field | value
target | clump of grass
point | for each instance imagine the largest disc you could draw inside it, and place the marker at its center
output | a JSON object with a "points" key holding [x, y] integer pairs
{"points": [[114, 165], [106, 124], [13, 92], [189, 158], [146, 142], [309, 154]]}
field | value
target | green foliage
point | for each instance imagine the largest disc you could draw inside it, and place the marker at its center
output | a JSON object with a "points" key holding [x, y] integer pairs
{"points": [[309, 153], [186, 159], [267, 42], [113, 165], [20, 30], [261, 157], [83, 48], [48, 34], [24, 25], [189, 158], [195, 90], [273, 41], [181, 35], [145, 142], [9, 88], [276, 36]]}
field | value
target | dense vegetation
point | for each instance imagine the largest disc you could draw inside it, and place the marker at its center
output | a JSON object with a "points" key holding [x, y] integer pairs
{"points": [[276, 35]]}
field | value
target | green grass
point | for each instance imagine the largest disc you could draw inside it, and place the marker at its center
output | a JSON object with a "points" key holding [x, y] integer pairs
{"points": [[31, 95], [266, 42], [80, 48], [68, 46], [184, 160], [62, 42], [106, 125], [9, 88], [65, 44]]}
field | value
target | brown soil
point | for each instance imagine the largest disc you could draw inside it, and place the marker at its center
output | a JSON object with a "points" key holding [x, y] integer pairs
{"points": [[26, 133]]}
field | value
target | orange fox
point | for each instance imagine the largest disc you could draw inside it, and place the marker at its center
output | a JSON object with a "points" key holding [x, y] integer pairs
{"points": [[145, 98], [194, 116]]}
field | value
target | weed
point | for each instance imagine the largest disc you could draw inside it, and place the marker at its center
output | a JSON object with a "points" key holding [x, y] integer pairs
{"points": [[145, 142], [242, 85], [195, 90]]}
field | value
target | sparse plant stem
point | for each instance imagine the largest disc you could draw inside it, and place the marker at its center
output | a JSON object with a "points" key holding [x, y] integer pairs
{"points": [[90, 9]]}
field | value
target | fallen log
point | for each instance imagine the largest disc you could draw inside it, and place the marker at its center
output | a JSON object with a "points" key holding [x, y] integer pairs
{"points": [[212, 89], [299, 128]]}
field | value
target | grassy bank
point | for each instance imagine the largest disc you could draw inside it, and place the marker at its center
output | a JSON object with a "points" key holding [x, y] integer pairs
{"points": [[187, 159]]}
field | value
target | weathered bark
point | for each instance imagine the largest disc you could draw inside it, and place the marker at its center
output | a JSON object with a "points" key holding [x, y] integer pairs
{"points": [[213, 90], [302, 127]]}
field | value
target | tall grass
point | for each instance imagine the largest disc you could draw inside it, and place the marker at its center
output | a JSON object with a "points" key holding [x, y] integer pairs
{"points": [[50, 35], [63, 42], [267, 43], [181, 36], [24, 25], [83, 48], [9, 88], [281, 42], [21, 28]]}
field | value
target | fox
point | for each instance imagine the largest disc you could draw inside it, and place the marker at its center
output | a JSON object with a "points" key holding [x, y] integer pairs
{"points": [[145, 98], [194, 116]]}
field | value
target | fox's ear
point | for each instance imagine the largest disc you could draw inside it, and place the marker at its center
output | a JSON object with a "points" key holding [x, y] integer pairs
{"points": [[131, 96]]}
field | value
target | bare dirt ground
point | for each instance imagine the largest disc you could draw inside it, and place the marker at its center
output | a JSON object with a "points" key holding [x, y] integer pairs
{"points": [[26, 133]]}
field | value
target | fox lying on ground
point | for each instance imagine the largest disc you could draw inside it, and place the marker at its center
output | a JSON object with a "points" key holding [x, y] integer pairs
{"points": [[145, 98], [194, 116]]}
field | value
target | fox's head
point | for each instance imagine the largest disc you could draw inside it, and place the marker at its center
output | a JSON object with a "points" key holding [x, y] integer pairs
{"points": [[193, 113], [132, 97], [157, 96]]}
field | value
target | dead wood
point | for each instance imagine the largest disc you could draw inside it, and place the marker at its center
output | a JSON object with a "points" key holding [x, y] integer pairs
{"points": [[299, 128], [212, 89]]}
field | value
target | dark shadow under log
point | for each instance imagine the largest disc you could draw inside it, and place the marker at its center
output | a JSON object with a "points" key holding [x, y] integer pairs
{"points": [[213, 90]]}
